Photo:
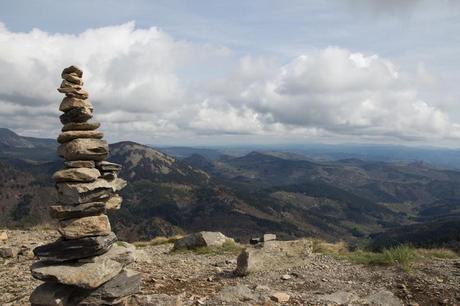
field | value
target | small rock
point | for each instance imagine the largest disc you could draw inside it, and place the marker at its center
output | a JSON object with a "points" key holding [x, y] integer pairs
{"points": [[3, 236], [285, 277], [280, 297], [72, 70], [262, 288], [254, 240], [382, 298], [8, 252], [268, 237], [113, 203]]}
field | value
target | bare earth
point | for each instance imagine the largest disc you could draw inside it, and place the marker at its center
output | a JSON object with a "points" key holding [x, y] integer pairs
{"points": [[186, 278]]}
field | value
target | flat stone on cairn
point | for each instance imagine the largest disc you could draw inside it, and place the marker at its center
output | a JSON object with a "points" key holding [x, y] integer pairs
{"points": [[84, 266]]}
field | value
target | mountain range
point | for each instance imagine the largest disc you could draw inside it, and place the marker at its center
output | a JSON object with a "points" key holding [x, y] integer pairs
{"points": [[245, 195]]}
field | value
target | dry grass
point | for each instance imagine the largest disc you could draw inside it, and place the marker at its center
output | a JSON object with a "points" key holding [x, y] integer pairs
{"points": [[403, 255], [157, 241], [437, 253], [320, 246]]}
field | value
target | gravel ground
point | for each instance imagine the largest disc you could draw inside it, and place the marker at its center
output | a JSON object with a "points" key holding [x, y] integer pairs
{"points": [[186, 278]]}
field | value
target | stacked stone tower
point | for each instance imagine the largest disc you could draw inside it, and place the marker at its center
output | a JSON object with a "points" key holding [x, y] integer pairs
{"points": [[84, 266]]}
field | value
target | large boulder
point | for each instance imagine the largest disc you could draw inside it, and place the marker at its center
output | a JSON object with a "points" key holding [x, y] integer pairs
{"points": [[84, 149], [201, 239], [84, 227], [64, 250]]}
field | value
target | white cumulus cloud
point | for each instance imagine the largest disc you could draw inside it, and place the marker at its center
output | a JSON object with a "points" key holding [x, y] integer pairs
{"points": [[146, 85]]}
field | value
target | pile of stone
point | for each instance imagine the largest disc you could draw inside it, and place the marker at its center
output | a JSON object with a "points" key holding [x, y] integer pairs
{"points": [[84, 266]]}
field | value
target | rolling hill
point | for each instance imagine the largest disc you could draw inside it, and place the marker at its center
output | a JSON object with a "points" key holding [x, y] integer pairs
{"points": [[247, 195]]}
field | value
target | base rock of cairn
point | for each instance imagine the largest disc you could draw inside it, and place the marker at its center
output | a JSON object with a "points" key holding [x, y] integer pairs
{"points": [[84, 266]]}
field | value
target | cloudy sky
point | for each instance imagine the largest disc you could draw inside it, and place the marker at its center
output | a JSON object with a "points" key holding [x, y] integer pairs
{"points": [[238, 72]]}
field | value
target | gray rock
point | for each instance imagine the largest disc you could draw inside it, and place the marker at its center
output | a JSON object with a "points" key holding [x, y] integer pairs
{"points": [[201, 239], [72, 69], [156, 300], [74, 92], [74, 193], [64, 250], [76, 175], [109, 176], [71, 135], [108, 166], [79, 164], [339, 297], [127, 282], [82, 126], [84, 149], [77, 211], [238, 293], [73, 78], [52, 294], [382, 298], [121, 252], [78, 115], [114, 203], [69, 103], [85, 227], [268, 237], [8, 252], [88, 275]]}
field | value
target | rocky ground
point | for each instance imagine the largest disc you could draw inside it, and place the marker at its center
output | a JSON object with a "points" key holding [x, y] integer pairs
{"points": [[188, 278]]}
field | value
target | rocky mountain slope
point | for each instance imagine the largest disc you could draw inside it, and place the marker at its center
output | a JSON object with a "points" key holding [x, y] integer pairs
{"points": [[251, 194]]}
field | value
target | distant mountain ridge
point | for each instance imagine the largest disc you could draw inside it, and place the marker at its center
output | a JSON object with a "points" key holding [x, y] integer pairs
{"points": [[13, 145], [245, 196]]}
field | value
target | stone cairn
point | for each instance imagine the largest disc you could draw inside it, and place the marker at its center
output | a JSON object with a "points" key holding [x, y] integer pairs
{"points": [[84, 266]]}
